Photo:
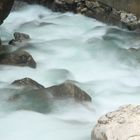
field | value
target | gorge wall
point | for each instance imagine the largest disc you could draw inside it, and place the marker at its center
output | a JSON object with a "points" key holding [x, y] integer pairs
{"points": [[5, 7], [132, 6]]}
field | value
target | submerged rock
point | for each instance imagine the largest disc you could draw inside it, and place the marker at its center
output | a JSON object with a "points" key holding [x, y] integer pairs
{"points": [[4, 49], [27, 82], [65, 90], [70, 90], [122, 124], [18, 58], [21, 36]]}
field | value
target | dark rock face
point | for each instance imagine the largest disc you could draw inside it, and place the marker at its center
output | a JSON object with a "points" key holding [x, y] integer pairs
{"points": [[131, 6], [28, 82], [18, 4], [5, 7], [18, 58], [47, 3], [42, 99]]}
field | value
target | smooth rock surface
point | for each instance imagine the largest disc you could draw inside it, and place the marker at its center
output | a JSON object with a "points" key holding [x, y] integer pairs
{"points": [[122, 124]]}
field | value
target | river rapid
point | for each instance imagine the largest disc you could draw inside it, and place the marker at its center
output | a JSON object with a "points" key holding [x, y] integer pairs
{"points": [[68, 46]]}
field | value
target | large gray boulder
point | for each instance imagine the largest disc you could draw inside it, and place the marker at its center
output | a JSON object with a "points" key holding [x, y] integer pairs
{"points": [[122, 124]]}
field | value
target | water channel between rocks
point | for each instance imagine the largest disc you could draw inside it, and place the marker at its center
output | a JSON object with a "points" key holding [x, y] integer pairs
{"points": [[68, 47]]}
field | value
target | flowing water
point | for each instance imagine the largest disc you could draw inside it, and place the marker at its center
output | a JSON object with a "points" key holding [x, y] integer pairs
{"points": [[68, 47]]}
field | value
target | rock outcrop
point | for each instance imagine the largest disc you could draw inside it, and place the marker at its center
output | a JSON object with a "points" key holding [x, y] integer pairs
{"points": [[96, 9], [122, 124], [5, 7]]}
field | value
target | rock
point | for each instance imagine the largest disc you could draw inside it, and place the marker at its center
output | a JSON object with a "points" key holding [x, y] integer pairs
{"points": [[21, 37], [28, 83], [68, 90], [4, 49], [18, 58], [47, 3], [64, 5], [122, 124], [62, 91], [130, 6], [18, 5], [40, 99], [104, 10], [5, 7]]}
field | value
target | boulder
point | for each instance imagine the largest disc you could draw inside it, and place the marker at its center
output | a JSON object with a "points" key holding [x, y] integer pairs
{"points": [[5, 7], [18, 58], [28, 83], [122, 124], [65, 90], [19, 38], [68, 90], [4, 49], [37, 98]]}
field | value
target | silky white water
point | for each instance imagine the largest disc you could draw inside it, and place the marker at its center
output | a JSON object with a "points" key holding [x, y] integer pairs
{"points": [[68, 47]]}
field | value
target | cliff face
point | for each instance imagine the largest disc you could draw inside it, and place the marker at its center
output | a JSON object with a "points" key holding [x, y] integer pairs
{"points": [[5, 7], [115, 12], [132, 6]]}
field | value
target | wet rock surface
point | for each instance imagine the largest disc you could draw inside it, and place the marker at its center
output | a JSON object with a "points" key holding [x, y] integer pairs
{"points": [[69, 89], [19, 38], [65, 90], [28, 83], [33, 96], [122, 124], [10, 55], [18, 58]]}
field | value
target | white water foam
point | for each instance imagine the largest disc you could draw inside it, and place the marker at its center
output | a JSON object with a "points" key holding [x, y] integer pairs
{"points": [[74, 47]]}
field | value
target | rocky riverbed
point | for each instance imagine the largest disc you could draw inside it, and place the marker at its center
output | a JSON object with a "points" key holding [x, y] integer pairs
{"points": [[60, 72]]}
